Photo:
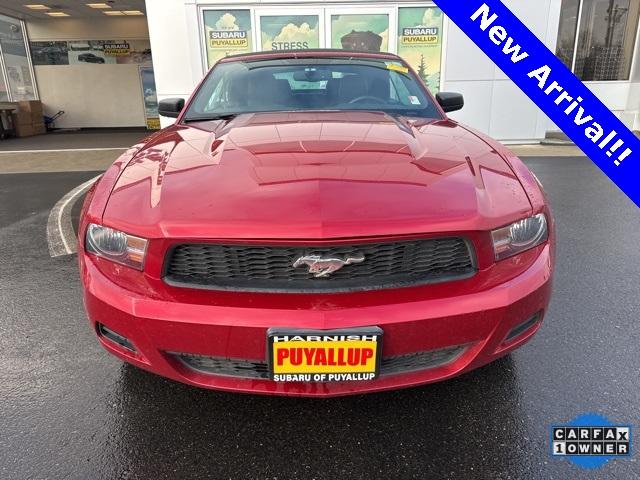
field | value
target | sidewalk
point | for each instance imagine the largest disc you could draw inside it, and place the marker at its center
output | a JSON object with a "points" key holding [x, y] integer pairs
{"points": [[67, 151], [94, 138], [95, 151]]}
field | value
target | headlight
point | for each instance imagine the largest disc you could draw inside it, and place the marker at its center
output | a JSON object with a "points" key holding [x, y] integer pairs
{"points": [[116, 246], [519, 236]]}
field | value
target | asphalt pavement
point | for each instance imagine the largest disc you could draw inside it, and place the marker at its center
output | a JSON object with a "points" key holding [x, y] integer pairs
{"points": [[68, 410]]}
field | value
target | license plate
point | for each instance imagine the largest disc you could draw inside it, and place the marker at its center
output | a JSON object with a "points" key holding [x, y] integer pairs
{"points": [[324, 355]]}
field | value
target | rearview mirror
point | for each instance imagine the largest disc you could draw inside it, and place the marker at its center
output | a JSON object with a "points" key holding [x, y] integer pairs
{"points": [[170, 107], [310, 75], [450, 101]]}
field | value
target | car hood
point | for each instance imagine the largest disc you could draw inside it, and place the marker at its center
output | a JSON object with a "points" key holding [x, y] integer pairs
{"points": [[314, 176]]}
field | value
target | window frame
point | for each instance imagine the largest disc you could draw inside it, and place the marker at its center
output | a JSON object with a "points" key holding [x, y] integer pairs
{"points": [[27, 49]]}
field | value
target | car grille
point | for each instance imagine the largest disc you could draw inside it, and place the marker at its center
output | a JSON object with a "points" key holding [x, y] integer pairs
{"points": [[270, 268], [393, 365]]}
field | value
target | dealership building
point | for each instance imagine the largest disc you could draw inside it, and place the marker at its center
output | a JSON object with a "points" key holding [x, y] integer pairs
{"points": [[105, 64]]}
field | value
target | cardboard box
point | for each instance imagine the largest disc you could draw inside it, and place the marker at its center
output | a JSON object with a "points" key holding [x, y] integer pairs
{"points": [[28, 118], [24, 130], [30, 106], [22, 118], [25, 118], [30, 130], [29, 112]]}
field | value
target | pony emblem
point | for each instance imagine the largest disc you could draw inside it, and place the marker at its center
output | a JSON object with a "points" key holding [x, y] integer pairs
{"points": [[323, 267]]}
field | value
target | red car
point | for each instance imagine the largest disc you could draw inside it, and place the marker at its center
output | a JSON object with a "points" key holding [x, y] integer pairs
{"points": [[314, 225]]}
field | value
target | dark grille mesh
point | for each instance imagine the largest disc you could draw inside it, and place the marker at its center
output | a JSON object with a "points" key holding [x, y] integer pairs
{"points": [[395, 365], [270, 268]]}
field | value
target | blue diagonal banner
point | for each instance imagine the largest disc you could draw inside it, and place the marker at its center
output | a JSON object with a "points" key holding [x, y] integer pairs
{"points": [[551, 86]]}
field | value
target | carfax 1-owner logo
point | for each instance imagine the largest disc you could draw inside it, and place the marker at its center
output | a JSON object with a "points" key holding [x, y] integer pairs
{"points": [[591, 440]]}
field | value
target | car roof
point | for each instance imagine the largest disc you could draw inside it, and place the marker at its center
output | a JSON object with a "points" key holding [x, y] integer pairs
{"points": [[309, 53]]}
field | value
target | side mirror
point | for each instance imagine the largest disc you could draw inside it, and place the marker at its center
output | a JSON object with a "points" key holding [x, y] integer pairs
{"points": [[450, 101], [170, 107]]}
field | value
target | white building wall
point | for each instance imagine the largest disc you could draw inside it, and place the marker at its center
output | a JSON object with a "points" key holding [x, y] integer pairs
{"points": [[173, 29], [493, 104]]}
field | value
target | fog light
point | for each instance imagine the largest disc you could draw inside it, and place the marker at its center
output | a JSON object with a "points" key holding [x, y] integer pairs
{"points": [[115, 337], [523, 327]]}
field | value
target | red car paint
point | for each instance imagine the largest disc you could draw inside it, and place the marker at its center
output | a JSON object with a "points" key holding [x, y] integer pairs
{"points": [[315, 179]]}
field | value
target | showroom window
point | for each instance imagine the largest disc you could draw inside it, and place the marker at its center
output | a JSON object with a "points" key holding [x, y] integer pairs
{"points": [[413, 32], [596, 38], [16, 81]]}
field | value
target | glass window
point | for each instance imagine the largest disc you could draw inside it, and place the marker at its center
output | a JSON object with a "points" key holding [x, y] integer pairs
{"points": [[16, 60], [311, 84], [567, 31], [606, 38], [399, 90]]}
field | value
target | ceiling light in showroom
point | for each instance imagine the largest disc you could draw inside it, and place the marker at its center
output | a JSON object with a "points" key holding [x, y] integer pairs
{"points": [[113, 13]]}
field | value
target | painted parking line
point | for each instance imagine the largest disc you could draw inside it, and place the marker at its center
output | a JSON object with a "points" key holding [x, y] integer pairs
{"points": [[60, 234]]}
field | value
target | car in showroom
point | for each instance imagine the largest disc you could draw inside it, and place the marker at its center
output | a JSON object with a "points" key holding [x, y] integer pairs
{"points": [[90, 58], [314, 224]]}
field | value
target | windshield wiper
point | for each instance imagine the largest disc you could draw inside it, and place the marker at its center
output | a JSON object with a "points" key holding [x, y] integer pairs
{"points": [[204, 118]]}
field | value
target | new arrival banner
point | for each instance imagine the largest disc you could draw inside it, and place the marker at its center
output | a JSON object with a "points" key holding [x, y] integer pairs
{"points": [[548, 82]]}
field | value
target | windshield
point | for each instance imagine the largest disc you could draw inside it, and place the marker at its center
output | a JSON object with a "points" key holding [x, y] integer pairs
{"points": [[311, 84]]}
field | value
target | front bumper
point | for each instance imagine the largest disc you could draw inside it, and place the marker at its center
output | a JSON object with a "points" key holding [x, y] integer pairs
{"points": [[462, 315]]}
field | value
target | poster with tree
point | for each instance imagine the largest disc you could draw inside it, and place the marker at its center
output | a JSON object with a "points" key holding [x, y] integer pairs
{"points": [[420, 42]]}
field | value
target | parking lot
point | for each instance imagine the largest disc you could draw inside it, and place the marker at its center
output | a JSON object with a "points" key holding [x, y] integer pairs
{"points": [[70, 410]]}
